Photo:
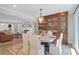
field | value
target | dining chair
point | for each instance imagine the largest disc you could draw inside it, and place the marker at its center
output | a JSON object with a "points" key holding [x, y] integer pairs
{"points": [[25, 43], [49, 32], [35, 46], [43, 32], [60, 43], [56, 49]]}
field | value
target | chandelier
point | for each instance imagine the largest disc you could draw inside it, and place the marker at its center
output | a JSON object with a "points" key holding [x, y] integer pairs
{"points": [[41, 18]]}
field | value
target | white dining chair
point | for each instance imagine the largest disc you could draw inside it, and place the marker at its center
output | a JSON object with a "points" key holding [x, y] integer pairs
{"points": [[56, 49], [49, 32], [35, 46], [53, 48], [25, 43], [60, 44]]}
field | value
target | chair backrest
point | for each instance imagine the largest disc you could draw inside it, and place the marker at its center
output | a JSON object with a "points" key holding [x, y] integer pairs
{"points": [[60, 43], [57, 42], [60, 38], [49, 32], [25, 38], [33, 43], [44, 32]]}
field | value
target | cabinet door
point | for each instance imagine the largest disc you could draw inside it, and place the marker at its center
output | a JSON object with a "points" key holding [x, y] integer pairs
{"points": [[50, 23], [63, 27], [55, 25]]}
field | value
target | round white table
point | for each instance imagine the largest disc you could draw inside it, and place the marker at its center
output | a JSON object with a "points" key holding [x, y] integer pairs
{"points": [[45, 41]]}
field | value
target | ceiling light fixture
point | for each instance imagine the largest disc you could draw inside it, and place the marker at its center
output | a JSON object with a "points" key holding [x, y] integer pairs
{"points": [[41, 18], [14, 5]]}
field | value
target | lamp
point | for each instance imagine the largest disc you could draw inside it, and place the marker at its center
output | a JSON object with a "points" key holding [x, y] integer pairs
{"points": [[41, 18]]}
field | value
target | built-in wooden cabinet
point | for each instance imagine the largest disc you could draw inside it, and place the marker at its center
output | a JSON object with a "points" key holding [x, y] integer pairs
{"points": [[56, 22]]}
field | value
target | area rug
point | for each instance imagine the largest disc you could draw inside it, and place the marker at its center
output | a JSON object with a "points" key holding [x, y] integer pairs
{"points": [[16, 50]]}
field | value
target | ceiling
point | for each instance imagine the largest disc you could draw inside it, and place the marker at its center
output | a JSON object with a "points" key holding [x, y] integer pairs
{"points": [[31, 11]]}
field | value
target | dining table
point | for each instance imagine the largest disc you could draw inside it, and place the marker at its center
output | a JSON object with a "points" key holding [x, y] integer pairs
{"points": [[46, 41]]}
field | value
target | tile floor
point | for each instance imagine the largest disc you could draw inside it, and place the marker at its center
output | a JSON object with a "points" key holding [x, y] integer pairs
{"points": [[4, 46], [17, 41]]}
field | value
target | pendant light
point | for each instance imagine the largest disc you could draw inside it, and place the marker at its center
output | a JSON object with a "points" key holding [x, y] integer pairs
{"points": [[41, 18]]}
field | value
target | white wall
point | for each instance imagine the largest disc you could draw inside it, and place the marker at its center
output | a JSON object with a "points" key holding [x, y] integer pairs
{"points": [[71, 36], [76, 31], [76, 28], [14, 20]]}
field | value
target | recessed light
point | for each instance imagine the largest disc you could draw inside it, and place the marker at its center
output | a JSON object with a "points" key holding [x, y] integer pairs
{"points": [[14, 5]]}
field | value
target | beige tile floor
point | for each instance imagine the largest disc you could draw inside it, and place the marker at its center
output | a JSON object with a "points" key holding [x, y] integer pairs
{"points": [[4, 46], [16, 41]]}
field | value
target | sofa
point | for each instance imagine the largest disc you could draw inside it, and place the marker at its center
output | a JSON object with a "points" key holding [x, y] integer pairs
{"points": [[5, 37]]}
